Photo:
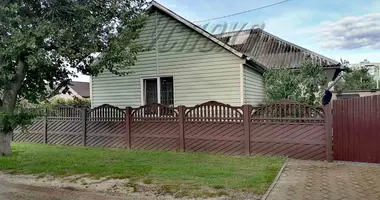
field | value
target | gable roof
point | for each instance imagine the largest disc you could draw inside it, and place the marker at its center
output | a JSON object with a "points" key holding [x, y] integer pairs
{"points": [[272, 51], [260, 47], [194, 27], [82, 88]]}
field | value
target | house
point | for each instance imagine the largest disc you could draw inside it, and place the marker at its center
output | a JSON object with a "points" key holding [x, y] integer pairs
{"points": [[186, 65], [74, 89]]}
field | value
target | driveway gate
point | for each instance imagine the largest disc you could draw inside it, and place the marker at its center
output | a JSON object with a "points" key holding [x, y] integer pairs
{"points": [[356, 132]]}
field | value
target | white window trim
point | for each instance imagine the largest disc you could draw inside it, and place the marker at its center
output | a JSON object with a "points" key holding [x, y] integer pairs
{"points": [[242, 84], [142, 87], [158, 89]]}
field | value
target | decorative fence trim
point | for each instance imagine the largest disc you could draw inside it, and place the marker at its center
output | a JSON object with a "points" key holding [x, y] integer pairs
{"points": [[288, 111], [213, 111], [213, 127]]}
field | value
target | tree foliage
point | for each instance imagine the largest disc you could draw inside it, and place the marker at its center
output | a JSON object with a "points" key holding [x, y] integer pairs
{"points": [[75, 102], [303, 85], [46, 42], [356, 79]]}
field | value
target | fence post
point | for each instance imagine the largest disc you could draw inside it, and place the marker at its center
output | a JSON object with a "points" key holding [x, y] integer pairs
{"points": [[128, 123], [328, 127], [181, 116], [84, 125], [247, 128], [45, 121]]}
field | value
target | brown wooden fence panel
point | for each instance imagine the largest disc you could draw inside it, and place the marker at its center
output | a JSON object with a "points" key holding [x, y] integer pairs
{"points": [[281, 129], [32, 133], [155, 127], [214, 128], [357, 129], [105, 127], [292, 140], [288, 129], [64, 126]]}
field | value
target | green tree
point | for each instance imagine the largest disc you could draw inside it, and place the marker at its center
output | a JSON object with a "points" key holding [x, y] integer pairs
{"points": [[46, 42], [356, 79], [303, 85]]}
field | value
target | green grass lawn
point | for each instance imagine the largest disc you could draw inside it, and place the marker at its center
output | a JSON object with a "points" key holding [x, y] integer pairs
{"points": [[253, 174]]}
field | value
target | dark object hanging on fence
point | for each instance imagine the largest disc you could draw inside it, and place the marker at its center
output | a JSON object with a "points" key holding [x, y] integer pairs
{"points": [[327, 97]]}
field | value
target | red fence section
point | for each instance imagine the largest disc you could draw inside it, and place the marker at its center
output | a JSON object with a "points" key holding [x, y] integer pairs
{"points": [[289, 129], [105, 127], [215, 128], [356, 133], [284, 128], [155, 127]]}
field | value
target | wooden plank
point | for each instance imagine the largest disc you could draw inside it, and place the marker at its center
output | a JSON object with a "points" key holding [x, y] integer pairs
{"points": [[84, 126], [349, 124], [181, 112], [45, 129], [377, 120], [128, 124], [247, 132], [361, 124], [336, 129], [328, 132], [372, 122], [347, 131]]}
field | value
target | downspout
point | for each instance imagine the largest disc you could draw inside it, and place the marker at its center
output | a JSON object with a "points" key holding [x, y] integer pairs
{"points": [[337, 79], [327, 93]]}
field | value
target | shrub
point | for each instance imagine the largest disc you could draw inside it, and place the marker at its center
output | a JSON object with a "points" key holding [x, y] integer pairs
{"points": [[75, 102]]}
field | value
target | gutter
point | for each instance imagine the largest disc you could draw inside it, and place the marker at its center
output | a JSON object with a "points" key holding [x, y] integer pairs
{"points": [[255, 65]]}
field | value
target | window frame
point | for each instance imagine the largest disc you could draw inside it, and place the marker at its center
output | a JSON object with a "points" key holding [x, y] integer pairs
{"points": [[143, 87]]}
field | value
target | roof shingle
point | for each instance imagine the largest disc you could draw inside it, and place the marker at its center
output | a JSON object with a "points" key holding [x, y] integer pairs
{"points": [[271, 51], [82, 88]]}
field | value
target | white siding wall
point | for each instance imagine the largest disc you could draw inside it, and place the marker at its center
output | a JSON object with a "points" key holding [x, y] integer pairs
{"points": [[253, 87], [199, 74]]}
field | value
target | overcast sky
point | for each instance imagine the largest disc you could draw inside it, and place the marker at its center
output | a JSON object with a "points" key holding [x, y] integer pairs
{"points": [[347, 29]]}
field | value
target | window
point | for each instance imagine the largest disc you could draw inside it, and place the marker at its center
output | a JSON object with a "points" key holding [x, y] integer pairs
{"points": [[167, 97], [151, 91], [158, 90]]}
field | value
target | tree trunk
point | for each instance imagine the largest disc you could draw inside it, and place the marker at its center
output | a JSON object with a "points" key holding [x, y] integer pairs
{"points": [[8, 103], [5, 144]]}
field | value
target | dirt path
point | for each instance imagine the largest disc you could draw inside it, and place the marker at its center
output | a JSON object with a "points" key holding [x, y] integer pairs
{"points": [[81, 187], [10, 191], [29, 187]]}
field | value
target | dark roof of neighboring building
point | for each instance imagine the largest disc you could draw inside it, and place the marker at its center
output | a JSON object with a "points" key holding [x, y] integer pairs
{"points": [[82, 88], [272, 51]]}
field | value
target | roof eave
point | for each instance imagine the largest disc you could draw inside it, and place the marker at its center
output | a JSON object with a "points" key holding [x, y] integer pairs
{"points": [[300, 47], [258, 66]]}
